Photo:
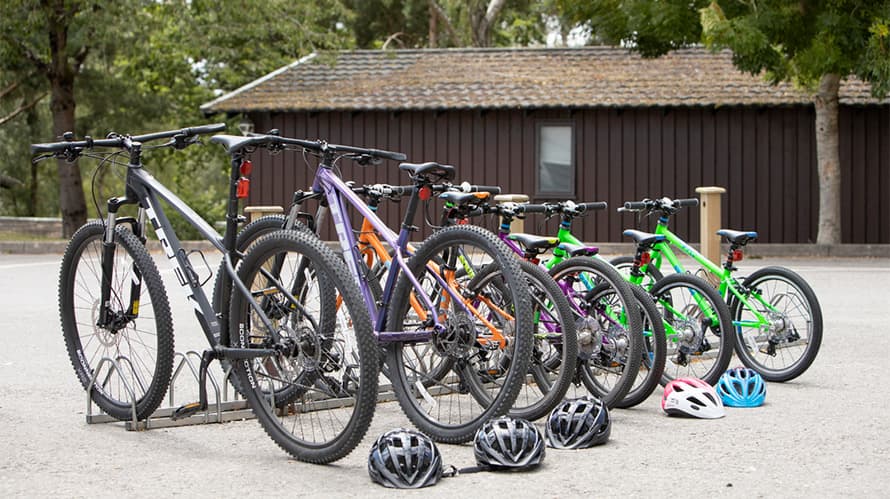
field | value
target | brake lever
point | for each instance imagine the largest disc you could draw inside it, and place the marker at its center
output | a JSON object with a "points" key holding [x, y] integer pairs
{"points": [[40, 158]]}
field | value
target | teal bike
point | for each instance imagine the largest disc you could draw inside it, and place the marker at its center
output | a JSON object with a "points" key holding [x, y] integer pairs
{"points": [[776, 316]]}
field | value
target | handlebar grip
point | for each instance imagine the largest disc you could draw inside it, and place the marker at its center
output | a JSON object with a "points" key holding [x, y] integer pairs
{"points": [[75, 144], [204, 129], [491, 189], [395, 156], [686, 202], [532, 208], [595, 205], [634, 205], [402, 190]]}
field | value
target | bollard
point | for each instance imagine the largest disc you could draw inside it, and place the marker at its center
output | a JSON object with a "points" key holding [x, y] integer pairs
{"points": [[710, 222], [255, 212], [518, 225]]}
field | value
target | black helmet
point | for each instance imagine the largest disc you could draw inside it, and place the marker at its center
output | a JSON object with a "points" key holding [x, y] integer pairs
{"points": [[404, 459], [578, 424], [508, 443]]}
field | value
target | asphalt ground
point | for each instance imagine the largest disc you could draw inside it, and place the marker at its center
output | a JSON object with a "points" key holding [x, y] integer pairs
{"points": [[825, 434]]}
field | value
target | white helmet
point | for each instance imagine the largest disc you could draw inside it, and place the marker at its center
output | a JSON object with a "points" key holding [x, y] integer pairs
{"points": [[692, 397]]}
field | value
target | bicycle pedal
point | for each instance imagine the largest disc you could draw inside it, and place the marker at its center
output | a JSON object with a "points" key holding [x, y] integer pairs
{"points": [[187, 410]]}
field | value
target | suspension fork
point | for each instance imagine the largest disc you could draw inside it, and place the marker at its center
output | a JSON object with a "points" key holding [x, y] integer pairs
{"points": [[108, 252]]}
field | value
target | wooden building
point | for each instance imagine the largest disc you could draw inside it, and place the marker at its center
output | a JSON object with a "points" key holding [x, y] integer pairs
{"points": [[586, 124]]}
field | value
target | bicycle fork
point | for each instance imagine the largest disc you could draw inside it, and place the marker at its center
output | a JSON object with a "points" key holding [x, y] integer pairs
{"points": [[107, 318]]}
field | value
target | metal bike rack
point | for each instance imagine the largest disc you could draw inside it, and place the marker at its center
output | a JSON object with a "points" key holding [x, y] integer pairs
{"points": [[219, 408]]}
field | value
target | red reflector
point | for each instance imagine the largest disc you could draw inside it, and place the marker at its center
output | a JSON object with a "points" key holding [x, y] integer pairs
{"points": [[425, 193], [535, 260], [736, 255], [645, 258], [246, 168], [243, 187]]}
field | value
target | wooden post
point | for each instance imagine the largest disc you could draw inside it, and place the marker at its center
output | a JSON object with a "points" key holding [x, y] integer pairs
{"points": [[710, 221], [518, 225], [255, 212]]}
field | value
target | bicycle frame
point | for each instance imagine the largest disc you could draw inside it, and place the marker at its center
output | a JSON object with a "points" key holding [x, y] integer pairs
{"points": [[728, 286], [338, 195], [144, 190]]}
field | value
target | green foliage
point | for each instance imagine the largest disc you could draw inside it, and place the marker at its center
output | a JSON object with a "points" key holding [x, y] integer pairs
{"points": [[150, 64], [652, 28], [521, 22], [788, 40], [802, 41]]}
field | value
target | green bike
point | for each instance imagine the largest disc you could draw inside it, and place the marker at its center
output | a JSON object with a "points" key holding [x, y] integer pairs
{"points": [[693, 316], [775, 313]]}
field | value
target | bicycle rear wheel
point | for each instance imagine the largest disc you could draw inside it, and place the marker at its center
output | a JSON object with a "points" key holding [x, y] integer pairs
{"points": [[654, 341], [555, 349], [608, 322], [698, 327], [787, 344], [486, 344], [129, 360], [654, 351], [315, 397]]}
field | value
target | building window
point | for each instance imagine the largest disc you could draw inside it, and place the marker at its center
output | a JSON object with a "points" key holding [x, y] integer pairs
{"points": [[555, 167]]}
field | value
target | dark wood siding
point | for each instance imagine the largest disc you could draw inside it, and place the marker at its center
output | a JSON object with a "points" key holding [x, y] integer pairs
{"points": [[764, 157]]}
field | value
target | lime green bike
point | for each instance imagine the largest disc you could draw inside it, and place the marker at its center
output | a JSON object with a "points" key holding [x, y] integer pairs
{"points": [[775, 313], [693, 316]]}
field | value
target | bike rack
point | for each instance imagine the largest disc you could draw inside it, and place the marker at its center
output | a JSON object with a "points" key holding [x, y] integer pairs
{"points": [[219, 409]]}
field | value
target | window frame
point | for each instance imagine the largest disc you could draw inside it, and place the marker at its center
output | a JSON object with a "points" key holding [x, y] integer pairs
{"points": [[562, 195]]}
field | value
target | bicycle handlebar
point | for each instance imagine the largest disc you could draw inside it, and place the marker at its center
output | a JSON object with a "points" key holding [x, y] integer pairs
{"points": [[384, 190], [466, 187], [665, 205], [265, 140], [531, 208], [121, 140]]}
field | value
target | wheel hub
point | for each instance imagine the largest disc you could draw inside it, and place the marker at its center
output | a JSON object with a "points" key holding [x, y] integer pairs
{"points": [[590, 337], [458, 337]]}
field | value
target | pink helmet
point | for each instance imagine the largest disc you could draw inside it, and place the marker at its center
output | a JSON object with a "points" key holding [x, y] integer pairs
{"points": [[691, 397]]}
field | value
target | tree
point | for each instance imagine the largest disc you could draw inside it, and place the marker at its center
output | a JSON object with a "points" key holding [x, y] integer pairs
{"points": [[447, 23], [813, 43], [132, 66], [53, 38]]}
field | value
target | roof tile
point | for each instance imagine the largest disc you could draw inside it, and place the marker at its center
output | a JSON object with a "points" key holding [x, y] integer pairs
{"points": [[513, 78]]}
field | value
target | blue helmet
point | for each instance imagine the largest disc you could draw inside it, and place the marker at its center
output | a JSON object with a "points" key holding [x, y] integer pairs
{"points": [[741, 387]]}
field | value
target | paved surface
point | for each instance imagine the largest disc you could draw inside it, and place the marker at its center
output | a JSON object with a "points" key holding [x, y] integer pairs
{"points": [[824, 434]]}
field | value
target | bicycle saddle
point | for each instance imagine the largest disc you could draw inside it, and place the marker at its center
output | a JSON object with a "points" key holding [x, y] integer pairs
{"points": [[233, 143], [644, 238], [433, 169], [534, 244], [460, 198], [737, 237], [578, 249]]}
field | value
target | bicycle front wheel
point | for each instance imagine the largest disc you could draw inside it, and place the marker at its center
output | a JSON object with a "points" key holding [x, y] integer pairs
{"points": [[555, 348], [698, 328], [315, 396], [608, 324], [486, 342], [780, 327], [128, 359]]}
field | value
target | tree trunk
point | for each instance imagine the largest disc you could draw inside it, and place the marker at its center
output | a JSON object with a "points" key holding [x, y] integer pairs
{"points": [[828, 158], [62, 104], [434, 28], [33, 120], [483, 21]]}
